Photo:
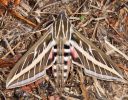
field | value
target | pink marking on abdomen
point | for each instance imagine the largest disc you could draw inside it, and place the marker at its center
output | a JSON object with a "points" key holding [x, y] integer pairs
{"points": [[74, 53], [51, 55]]}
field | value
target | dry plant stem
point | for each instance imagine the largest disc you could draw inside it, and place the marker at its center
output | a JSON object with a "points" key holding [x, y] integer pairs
{"points": [[91, 19], [48, 79], [98, 87], [13, 12], [35, 95], [37, 2], [87, 22], [95, 29], [23, 18], [49, 13], [2, 78], [52, 4], [42, 94], [115, 49], [122, 67], [113, 27], [32, 33], [83, 88], [9, 47], [24, 8], [117, 32], [78, 8], [10, 51], [115, 38], [69, 98], [68, 9], [2, 95], [4, 2], [2, 21], [126, 9], [17, 2], [95, 7]]}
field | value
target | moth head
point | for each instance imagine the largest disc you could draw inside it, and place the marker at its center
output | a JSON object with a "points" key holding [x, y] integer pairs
{"points": [[62, 27]]}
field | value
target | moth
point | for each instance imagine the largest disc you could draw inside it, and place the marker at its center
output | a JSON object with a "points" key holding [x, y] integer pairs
{"points": [[62, 48]]}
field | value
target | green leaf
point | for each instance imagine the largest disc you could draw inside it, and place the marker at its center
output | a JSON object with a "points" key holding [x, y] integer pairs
{"points": [[82, 18]]}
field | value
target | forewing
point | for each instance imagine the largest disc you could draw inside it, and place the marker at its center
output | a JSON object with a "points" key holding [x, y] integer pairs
{"points": [[32, 66], [94, 61]]}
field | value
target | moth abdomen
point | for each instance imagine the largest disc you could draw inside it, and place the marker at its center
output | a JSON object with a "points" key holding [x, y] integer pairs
{"points": [[62, 56]]}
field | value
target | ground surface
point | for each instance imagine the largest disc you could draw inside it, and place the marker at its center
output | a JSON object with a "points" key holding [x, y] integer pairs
{"points": [[95, 19]]}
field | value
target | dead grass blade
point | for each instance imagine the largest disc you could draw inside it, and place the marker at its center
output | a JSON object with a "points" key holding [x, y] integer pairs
{"points": [[98, 87], [122, 67], [115, 49], [23, 18], [82, 86], [9, 47]]}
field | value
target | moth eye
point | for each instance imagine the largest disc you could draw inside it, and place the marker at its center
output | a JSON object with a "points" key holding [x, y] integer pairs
{"points": [[66, 46]]}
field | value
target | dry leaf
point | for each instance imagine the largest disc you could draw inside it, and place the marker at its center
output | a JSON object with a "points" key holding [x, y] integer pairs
{"points": [[9, 62], [5, 63]]}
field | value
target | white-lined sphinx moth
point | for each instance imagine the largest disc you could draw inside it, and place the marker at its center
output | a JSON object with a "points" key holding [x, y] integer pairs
{"points": [[62, 48]]}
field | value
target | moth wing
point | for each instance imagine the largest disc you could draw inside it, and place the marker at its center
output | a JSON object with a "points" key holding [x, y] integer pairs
{"points": [[94, 61], [33, 65]]}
